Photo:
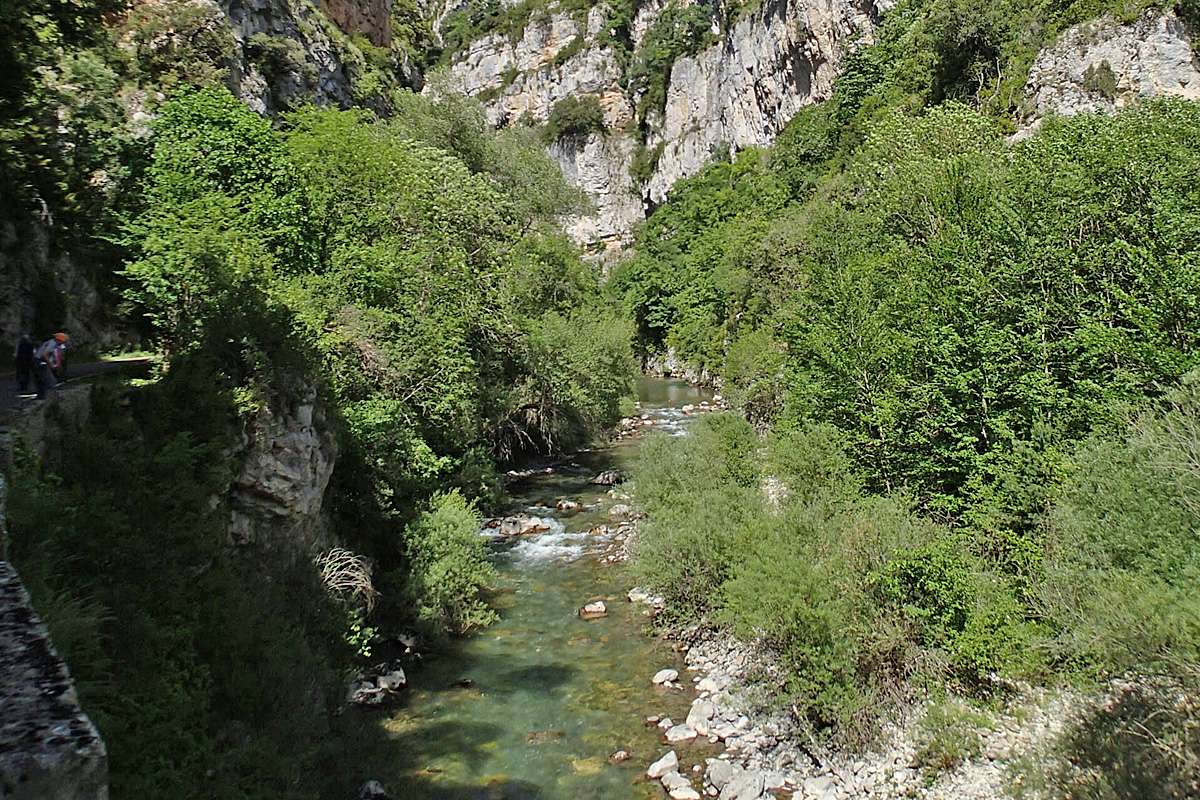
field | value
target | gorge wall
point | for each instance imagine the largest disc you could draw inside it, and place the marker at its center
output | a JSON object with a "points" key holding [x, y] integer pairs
{"points": [[736, 91]]}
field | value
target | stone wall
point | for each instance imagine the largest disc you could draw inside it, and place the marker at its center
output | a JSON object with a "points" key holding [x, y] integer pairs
{"points": [[49, 749]]}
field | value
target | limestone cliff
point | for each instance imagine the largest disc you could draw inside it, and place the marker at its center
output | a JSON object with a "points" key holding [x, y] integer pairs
{"points": [[737, 91], [1104, 65], [287, 455]]}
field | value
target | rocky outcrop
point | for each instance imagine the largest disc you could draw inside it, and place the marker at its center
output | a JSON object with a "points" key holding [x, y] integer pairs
{"points": [[288, 51], [49, 749], [736, 93], [742, 91], [1105, 65], [372, 18], [287, 459]]}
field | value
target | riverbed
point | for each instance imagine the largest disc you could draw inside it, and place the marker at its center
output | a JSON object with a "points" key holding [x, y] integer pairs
{"points": [[535, 705]]}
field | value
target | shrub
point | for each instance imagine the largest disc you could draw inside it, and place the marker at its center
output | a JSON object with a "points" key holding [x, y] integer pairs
{"points": [[574, 117], [1143, 740], [949, 733], [677, 31], [1121, 552], [448, 567]]}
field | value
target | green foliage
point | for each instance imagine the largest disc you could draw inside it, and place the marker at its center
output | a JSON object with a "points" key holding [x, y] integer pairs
{"points": [[1141, 741], [644, 162], [1122, 556], [576, 116], [449, 570], [279, 56], [156, 616], [1101, 80], [950, 733]]}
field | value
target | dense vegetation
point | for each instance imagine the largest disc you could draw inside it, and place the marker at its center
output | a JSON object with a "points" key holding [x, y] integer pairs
{"points": [[574, 116], [397, 265], [974, 361]]}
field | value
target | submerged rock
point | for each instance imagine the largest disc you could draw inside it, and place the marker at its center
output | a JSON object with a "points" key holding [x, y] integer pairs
{"points": [[594, 610], [618, 757]]}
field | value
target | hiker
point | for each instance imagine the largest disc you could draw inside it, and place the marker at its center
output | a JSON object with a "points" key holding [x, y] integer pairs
{"points": [[23, 359], [46, 362]]}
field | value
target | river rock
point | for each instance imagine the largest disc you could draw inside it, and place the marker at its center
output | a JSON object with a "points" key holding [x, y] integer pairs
{"points": [[377, 686], [674, 780], [620, 510], [719, 772], [567, 505], [680, 733], [668, 763], [698, 717], [618, 757], [820, 787], [393, 680], [682, 791], [594, 610], [640, 595], [521, 525], [373, 790], [748, 785], [610, 477], [664, 676]]}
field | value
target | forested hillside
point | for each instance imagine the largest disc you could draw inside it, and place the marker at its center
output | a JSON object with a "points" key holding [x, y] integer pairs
{"points": [[384, 285], [972, 357], [958, 333]]}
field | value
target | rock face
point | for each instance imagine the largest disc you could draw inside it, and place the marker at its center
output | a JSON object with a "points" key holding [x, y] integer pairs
{"points": [[49, 749], [1104, 66], [319, 68], [34, 264], [289, 455], [736, 93], [372, 18]]}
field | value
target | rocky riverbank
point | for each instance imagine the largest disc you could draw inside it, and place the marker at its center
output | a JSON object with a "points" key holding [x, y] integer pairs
{"points": [[768, 754]]}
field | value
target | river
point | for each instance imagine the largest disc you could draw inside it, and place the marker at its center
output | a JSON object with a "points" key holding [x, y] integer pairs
{"points": [[533, 706]]}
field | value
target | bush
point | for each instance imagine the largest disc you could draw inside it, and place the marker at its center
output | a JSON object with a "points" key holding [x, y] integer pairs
{"points": [[574, 116], [678, 30], [448, 567], [1143, 740], [1121, 552], [198, 671], [950, 732]]}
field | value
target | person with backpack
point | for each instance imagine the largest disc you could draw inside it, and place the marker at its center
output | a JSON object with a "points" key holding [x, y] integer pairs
{"points": [[46, 362], [23, 360]]}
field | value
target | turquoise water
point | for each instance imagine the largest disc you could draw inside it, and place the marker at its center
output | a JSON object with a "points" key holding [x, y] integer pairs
{"points": [[534, 706]]}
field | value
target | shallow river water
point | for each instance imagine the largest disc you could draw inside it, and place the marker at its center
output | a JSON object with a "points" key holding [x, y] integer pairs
{"points": [[533, 706]]}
